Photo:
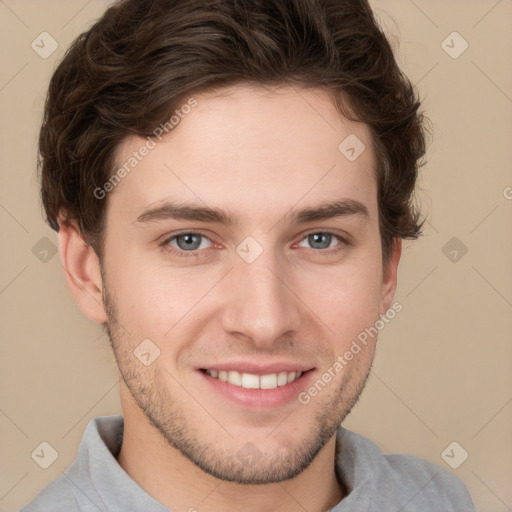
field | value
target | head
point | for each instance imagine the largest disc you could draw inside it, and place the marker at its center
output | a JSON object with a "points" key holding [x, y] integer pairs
{"points": [[232, 181]]}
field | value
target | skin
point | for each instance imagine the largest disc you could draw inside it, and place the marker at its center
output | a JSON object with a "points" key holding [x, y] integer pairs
{"points": [[260, 154]]}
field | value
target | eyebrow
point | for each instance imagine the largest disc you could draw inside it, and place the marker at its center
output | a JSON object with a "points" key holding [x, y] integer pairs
{"points": [[324, 211]]}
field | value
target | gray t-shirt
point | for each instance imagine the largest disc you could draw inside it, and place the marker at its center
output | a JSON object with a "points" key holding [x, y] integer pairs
{"points": [[375, 482]]}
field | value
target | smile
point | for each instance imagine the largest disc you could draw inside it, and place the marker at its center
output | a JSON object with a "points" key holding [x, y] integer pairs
{"points": [[252, 381]]}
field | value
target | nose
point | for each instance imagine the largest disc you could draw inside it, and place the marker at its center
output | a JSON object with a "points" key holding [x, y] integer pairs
{"points": [[261, 304]]}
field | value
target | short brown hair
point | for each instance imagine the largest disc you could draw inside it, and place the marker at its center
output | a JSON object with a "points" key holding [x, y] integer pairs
{"points": [[133, 67]]}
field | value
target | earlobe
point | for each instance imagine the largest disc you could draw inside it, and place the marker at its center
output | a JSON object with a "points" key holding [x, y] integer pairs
{"points": [[390, 273], [82, 271]]}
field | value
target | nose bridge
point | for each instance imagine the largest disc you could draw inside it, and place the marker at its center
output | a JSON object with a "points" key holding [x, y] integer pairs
{"points": [[260, 304]]}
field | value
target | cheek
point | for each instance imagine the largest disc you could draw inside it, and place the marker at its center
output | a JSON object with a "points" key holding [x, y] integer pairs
{"points": [[151, 299], [143, 298], [350, 302]]}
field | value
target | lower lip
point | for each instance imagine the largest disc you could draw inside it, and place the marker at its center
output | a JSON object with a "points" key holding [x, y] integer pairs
{"points": [[259, 398]]}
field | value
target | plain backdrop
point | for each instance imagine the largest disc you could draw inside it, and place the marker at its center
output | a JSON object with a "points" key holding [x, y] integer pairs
{"points": [[442, 373]]}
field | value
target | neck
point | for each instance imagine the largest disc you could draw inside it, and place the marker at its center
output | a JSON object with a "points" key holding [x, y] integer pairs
{"points": [[178, 484]]}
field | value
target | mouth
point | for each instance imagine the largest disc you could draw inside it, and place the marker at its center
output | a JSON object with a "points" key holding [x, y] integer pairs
{"points": [[254, 387], [254, 381]]}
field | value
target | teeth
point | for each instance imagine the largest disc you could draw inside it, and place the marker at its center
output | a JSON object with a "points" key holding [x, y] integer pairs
{"points": [[282, 379], [235, 378], [250, 381], [268, 381]]}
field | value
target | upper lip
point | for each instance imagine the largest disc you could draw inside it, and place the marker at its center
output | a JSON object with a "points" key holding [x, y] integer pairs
{"points": [[258, 368]]}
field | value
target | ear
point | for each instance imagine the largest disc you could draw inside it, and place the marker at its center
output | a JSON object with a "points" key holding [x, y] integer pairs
{"points": [[389, 276], [82, 271]]}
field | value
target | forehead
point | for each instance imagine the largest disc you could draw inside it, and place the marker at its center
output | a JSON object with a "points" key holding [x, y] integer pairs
{"points": [[255, 151]]}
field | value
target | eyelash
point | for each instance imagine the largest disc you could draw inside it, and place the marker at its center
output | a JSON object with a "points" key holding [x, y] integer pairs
{"points": [[194, 254]]}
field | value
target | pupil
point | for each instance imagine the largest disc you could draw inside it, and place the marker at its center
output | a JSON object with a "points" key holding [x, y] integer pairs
{"points": [[320, 240], [190, 241]]}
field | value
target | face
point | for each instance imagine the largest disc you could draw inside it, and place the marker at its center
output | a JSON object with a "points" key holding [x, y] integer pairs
{"points": [[245, 246]]}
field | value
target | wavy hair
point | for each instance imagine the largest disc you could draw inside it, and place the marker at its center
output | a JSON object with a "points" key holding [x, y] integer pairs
{"points": [[136, 64]]}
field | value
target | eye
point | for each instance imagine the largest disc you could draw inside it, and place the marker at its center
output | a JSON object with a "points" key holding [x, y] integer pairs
{"points": [[191, 243], [321, 240], [188, 241]]}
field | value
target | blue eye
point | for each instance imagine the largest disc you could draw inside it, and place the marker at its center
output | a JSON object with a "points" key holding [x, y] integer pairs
{"points": [[320, 240], [325, 244], [188, 241], [190, 244]]}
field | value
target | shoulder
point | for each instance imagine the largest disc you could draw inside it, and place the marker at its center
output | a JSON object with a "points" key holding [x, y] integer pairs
{"points": [[427, 483], [57, 496], [398, 479], [77, 488]]}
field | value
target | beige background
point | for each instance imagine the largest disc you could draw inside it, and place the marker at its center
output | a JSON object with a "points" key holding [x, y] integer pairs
{"points": [[442, 371]]}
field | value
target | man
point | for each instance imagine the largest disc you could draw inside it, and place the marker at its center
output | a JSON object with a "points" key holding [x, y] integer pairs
{"points": [[231, 182]]}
